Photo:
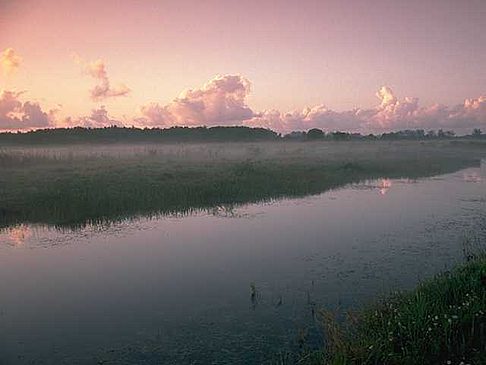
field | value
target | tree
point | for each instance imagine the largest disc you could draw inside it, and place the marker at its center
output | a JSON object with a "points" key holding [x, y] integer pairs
{"points": [[340, 136], [431, 134], [477, 132], [315, 133]]}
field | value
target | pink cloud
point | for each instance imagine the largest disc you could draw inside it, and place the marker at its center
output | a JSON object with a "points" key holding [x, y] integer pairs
{"points": [[221, 101], [97, 119], [318, 116], [15, 114], [407, 113], [391, 114], [103, 90]]}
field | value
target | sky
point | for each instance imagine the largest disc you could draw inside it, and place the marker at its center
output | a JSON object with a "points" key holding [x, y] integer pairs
{"points": [[353, 65]]}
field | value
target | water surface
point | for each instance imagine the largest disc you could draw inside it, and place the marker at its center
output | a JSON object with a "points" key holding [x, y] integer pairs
{"points": [[230, 286]]}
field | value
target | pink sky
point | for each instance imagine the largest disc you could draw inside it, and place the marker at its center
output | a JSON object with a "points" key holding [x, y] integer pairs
{"points": [[282, 64]]}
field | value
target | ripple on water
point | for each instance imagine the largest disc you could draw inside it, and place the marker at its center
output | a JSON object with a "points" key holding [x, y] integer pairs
{"points": [[178, 289]]}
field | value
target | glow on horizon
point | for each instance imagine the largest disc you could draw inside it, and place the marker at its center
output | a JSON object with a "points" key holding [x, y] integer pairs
{"points": [[297, 55]]}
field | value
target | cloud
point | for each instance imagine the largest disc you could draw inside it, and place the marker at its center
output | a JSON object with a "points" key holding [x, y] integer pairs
{"points": [[9, 61], [103, 89], [318, 116], [407, 113], [385, 94], [391, 113], [156, 115], [472, 113], [221, 101], [98, 118], [15, 114]]}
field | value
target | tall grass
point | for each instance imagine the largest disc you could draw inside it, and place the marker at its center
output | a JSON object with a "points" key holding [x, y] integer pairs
{"points": [[443, 321], [81, 184]]}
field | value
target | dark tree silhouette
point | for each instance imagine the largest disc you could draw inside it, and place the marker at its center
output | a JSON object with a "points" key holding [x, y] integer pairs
{"points": [[115, 134], [315, 133], [477, 132]]}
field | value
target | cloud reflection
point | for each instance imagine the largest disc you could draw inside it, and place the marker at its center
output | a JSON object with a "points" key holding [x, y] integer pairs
{"points": [[474, 177], [384, 185], [17, 236]]}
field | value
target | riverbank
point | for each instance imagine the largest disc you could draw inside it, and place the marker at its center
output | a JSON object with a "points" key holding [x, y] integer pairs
{"points": [[69, 186], [442, 321]]}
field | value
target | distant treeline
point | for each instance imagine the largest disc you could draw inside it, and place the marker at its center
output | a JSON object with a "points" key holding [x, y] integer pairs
{"points": [[408, 134], [115, 134]]}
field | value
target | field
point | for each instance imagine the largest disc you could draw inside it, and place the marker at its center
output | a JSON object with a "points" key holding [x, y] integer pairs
{"points": [[75, 185]]}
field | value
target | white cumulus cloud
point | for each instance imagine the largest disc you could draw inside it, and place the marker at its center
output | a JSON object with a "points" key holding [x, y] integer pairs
{"points": [[221, 101]]}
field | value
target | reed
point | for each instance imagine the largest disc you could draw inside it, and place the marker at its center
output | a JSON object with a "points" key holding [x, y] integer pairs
{"points": [[442, 321], [70, 186]]}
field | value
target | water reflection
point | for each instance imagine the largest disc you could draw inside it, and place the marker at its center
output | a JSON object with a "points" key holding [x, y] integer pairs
{"points": [[17, 236], [230, 211], [217, 287], [384, 186], [474, 177], [39, 235]]}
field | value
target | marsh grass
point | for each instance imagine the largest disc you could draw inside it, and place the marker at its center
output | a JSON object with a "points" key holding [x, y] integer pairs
{"points": [[442, 321], [71, 186]]}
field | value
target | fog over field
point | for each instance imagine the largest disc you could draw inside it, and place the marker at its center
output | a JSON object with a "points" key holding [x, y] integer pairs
{"points": [[84, 183], [257, 182]]}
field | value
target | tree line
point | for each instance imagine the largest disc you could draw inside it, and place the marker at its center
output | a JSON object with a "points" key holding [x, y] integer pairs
{"points": [[115, 134]]}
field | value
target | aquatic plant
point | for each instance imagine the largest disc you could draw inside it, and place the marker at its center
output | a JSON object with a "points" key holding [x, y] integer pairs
{"points": [[443, 321], [76, 185]]}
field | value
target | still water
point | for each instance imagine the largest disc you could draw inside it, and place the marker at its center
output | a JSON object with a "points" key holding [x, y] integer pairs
{"points": [[230, 286]]}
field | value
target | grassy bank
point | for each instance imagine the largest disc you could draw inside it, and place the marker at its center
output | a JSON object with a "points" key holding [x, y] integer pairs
{"points": [[443, 321], [63, 185]]}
